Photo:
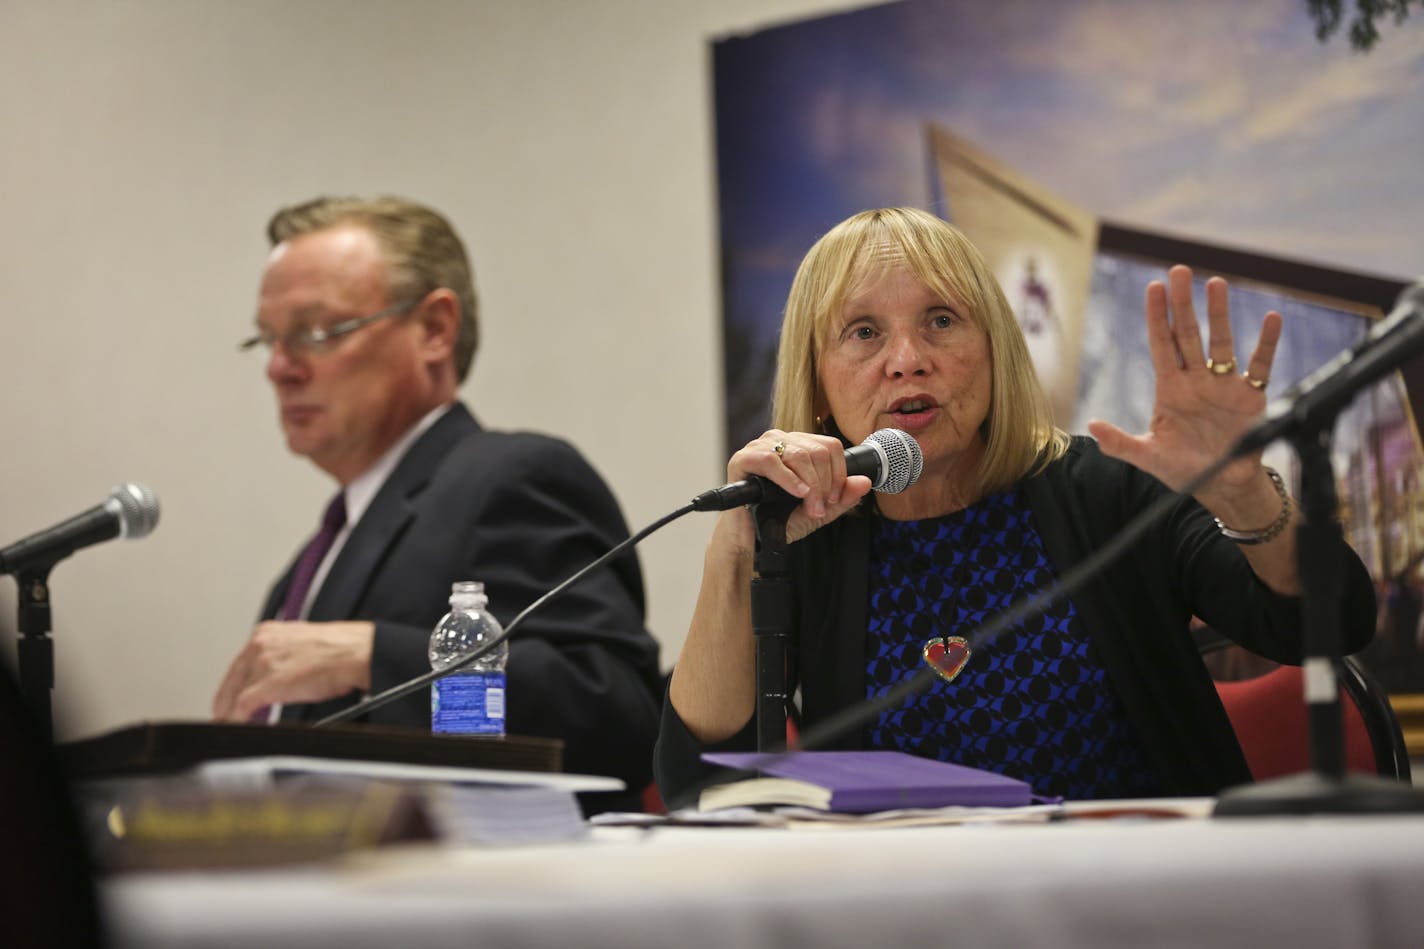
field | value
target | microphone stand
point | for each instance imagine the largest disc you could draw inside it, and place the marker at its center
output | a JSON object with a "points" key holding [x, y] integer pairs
{"points": [[34, 647], [771, 616], [1326, 788]]}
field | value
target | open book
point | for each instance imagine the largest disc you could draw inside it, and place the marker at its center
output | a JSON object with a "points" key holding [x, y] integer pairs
{"points": [[860, 782]]}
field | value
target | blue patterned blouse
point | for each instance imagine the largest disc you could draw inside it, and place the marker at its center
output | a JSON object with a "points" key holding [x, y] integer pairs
{"points": [[1036, 704]]}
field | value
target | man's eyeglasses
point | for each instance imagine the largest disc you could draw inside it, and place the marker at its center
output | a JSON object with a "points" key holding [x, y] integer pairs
{"points": [[314, 340]]}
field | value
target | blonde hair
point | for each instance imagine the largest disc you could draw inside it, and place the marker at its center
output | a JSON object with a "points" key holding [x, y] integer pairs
{"points": [[1019, 433], [423, 252]]}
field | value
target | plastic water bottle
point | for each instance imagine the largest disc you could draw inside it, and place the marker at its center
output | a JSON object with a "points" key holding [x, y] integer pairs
{"points": [[471, 701]]}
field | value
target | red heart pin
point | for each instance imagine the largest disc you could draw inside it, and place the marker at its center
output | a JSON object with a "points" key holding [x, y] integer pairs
{"points": [[946, 656]]}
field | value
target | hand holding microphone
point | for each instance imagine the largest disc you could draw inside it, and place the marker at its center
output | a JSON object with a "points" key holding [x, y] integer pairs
{"points": [[817, 469]]}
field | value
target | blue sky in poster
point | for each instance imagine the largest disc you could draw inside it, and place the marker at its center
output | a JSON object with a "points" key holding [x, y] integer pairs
{"points": [[1224, 122]]}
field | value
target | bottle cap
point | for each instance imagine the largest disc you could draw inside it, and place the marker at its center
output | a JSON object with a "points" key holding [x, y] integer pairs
{"points": [[467, 591]]}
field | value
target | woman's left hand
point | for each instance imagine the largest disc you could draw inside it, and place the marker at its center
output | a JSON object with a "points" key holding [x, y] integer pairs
{"points": [[1205, 400]]}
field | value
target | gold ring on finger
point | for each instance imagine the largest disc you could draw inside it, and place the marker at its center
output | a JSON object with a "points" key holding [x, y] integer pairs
{"points": [[779, 448], [1221, 368], [1253, 382]]}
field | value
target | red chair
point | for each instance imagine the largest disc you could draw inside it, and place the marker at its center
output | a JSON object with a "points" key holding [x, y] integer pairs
{"points": [[1268, 713], [652, 800]]}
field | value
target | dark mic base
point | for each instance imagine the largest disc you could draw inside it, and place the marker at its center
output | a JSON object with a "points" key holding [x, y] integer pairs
{"points": [[1314, 793]]}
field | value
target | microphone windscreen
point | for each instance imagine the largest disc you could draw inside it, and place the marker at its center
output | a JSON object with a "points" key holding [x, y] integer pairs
{"points": [[903, 461], [137, 509]]}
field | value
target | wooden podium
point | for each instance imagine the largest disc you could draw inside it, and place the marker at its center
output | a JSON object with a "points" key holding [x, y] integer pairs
{"points": [[157, 747], [190, 794]]}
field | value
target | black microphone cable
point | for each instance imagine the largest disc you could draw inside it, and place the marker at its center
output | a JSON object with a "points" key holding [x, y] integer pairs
{"points": [[373, 702], [892, 454]]}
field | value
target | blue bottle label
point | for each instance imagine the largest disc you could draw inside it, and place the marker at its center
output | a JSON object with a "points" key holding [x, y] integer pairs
{"points": [[468, 703]]}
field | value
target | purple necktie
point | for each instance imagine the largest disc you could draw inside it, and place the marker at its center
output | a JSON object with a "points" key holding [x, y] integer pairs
{"points": [[331, 523]]}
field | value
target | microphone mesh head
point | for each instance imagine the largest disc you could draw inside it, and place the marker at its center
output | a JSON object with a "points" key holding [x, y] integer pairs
{"points": [[903, 461], [138, 509]]}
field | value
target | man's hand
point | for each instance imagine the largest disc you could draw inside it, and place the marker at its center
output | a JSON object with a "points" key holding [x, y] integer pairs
{"points": [[295, 662]]}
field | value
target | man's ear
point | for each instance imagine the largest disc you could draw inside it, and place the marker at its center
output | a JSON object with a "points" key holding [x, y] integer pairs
{"points": [[439, 319]]}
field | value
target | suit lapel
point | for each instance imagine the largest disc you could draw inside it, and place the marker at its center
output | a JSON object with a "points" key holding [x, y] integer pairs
{"points": [[390, 513]]}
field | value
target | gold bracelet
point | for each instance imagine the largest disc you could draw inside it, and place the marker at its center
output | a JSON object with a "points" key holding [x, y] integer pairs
{"points": [[1247, 538]]}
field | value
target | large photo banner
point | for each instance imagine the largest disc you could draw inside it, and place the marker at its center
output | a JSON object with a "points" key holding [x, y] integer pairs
{"points": [[1084, 148]]}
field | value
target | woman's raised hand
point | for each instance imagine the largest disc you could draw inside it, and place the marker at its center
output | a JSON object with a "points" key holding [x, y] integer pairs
{"points": [[1205, 399]]}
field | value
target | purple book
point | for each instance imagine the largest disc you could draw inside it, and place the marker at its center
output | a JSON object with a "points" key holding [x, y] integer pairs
{"points": [[859, 782]]}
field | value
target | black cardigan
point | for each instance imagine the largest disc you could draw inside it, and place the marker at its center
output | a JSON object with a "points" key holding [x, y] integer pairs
{"points": [[1136, 613]]}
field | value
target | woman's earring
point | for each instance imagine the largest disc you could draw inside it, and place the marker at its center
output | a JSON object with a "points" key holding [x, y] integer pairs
{"points": [[819, 426]]}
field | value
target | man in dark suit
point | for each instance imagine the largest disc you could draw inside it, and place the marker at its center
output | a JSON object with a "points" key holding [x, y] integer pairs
{"points": [[367, 314]]}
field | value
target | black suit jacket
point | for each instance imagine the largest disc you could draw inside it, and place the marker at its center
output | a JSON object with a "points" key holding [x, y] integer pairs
{"points": [[521, 513]]}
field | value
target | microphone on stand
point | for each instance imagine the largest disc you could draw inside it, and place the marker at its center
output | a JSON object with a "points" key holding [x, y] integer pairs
{"points": [[890, 458], [130, 511]]}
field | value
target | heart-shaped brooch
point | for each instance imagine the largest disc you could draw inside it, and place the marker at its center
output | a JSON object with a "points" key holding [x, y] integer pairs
{"points": [[946, 655]]}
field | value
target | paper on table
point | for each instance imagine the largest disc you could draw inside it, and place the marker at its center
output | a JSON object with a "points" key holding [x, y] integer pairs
{"points": [[260, 772]]}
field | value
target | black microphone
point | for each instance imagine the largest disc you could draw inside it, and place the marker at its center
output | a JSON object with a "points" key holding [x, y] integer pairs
{"points": [[130, 510], [1320, 396], [890, 458]]}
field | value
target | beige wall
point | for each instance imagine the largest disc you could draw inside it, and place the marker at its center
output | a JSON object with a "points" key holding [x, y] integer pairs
{"points": [[145, 144]]}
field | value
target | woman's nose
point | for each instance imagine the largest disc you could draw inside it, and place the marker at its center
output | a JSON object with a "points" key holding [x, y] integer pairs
{"points": [[906, 356]]}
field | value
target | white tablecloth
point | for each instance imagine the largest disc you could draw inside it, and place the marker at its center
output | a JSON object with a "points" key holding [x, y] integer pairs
{"points": [[1324, 881]]}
